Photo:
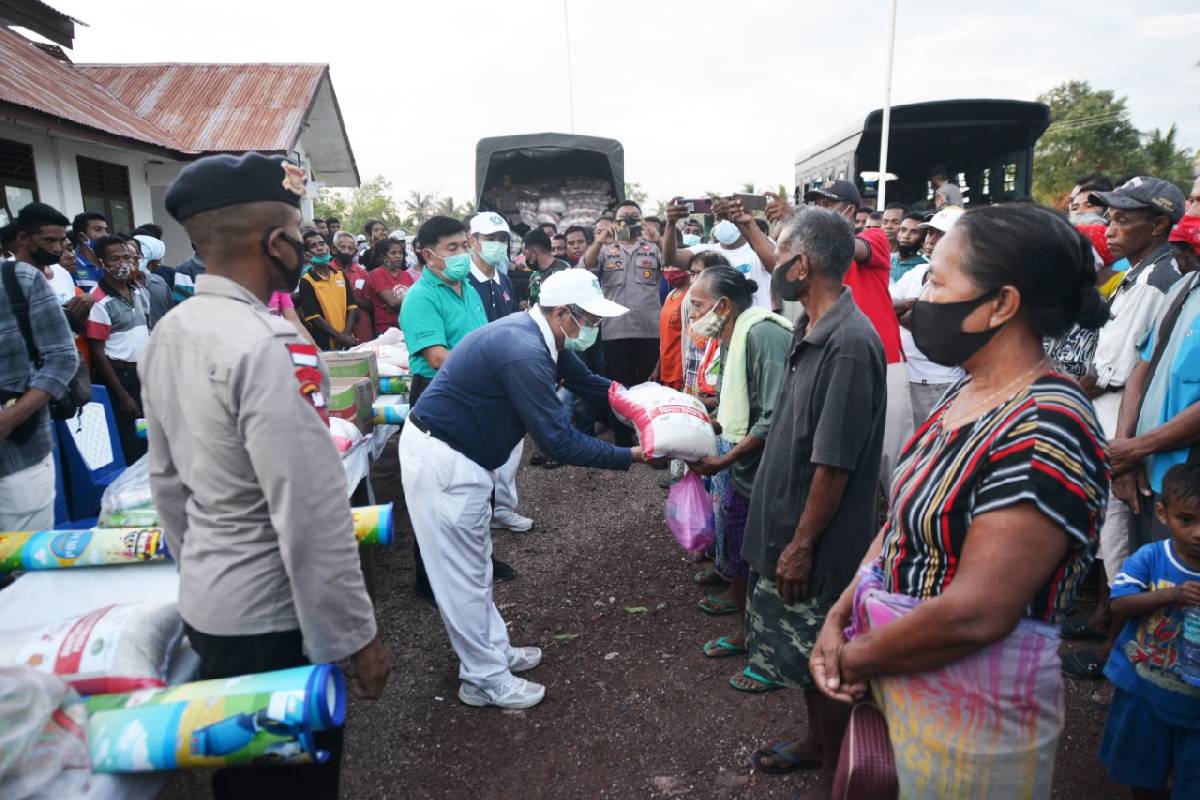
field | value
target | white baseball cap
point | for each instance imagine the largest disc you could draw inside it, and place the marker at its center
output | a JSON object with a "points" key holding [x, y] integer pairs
{"points": [[489, 222], [578, 287], [943, 220], [400, 235]]}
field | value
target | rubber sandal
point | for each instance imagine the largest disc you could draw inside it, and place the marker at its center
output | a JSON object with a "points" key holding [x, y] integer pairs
{"points": [[1083, 664], [709, 577], [766, 684], [716, 607], [758, 759], [537, 459], [723, 648], [1077, 628]]}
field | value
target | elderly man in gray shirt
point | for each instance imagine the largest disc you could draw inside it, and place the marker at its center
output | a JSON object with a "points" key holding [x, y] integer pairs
{"points": [[245, 477]]}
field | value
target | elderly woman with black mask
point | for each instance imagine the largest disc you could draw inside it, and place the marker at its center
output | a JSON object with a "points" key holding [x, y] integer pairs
{"points": [[996, 506]]}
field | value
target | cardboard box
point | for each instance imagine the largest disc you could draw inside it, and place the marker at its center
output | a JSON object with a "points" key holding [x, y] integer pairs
{"points": [[353, 399], [344, 364]]}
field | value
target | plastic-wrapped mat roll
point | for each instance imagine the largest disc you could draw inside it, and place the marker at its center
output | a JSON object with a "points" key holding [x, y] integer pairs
{"points": [[393, 385], [390, 413], [132, 518], [89, 547], [373, 525], [255, 720]]}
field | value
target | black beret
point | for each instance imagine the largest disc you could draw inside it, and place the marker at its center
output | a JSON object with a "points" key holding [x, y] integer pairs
{"points": [[226, 180]]}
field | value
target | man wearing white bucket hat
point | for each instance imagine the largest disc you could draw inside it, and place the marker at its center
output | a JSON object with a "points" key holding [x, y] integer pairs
{"points": [[498, 386]]}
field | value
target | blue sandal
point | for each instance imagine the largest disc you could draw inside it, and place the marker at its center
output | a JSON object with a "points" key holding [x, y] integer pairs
{"points": [[722, 648], [767, 685]]}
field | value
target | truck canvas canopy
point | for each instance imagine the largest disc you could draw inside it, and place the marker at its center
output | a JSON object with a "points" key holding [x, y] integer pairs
{"points": [[533, 157]]}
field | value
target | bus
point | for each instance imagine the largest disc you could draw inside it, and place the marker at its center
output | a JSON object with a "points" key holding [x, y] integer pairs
{"points": [[986, 145]]}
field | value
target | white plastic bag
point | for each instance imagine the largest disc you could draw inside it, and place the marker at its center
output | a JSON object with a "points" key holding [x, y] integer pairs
{"points": [[43, 748], [668, 422], [131, 489], [112, 649]]}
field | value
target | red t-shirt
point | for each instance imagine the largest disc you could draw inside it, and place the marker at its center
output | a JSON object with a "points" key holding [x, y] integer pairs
{"points": [[381, 280], [670, 336], [869, 285], [356, 276]]}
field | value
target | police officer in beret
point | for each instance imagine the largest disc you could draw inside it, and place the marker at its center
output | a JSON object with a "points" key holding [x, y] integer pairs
{"points": [[246, 481]]}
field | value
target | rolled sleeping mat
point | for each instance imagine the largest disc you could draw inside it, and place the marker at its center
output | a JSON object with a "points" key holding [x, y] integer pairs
{"points": [[87, 547], [374, 525], [267, 719], [393, 385], [390, 413]]}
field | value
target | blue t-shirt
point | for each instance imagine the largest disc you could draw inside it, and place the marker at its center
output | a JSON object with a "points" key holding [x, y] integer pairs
{"points": [[1175, 385], [1145, 659]]}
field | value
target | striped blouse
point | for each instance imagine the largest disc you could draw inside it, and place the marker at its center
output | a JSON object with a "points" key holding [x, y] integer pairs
{"points": [[1043, 446]]}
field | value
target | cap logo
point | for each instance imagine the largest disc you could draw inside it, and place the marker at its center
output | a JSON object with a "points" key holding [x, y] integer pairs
{"points": [[293, 178], [496, 219], [1132, 183], [1163, 203], [595, 284]]}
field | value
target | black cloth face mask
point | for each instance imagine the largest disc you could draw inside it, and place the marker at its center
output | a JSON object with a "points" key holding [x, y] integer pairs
{"points": [[292, 276], [937, 330], [786, 290]]}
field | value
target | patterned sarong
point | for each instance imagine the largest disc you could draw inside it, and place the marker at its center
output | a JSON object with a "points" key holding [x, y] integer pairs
{"points": [[983, 727]]}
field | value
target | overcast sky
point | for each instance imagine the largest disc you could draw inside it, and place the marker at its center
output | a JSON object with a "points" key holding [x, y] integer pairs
{"points": [[704, 94]]}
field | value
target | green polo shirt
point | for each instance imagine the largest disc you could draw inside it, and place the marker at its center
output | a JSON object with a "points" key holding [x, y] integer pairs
{"points": [[435, 314]]}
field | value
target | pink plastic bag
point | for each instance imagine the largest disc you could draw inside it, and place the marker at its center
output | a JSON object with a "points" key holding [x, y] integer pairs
{"points": [[689, 513]]}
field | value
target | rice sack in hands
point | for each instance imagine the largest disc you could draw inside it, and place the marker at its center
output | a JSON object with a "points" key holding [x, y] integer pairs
{"points": [[668, 422]]}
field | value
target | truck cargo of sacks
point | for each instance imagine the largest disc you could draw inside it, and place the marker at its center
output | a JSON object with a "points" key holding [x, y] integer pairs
{"points": [[669, 423]]}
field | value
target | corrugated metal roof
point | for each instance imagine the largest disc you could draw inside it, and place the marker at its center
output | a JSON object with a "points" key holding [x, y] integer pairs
{"points": [[33, 79], [217, 107]]}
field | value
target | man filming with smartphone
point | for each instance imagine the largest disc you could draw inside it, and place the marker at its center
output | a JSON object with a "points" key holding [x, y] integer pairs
{"points": [[628, 266], [739, 239]]}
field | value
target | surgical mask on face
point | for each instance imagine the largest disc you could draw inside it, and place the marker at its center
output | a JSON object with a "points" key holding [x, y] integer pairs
{"points": [[726, 232], [690, 240], [321, 260], [709, 326], [937, 330], [582, 340], [676, 277], [457, 266], [494, 253]]}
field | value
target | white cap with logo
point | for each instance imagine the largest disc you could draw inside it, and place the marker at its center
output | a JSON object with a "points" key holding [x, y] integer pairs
{"points": [[943, 220], [488, 222], [399, 235], [578, 287]]}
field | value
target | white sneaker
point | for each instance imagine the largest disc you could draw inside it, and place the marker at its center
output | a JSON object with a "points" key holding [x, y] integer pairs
{"points": [[509, 520], [523, 658], [513, 693]]}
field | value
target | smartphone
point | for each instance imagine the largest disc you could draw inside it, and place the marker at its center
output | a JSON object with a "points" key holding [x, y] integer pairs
{"points": [[698, 205], [628, 233], [752, 202]]}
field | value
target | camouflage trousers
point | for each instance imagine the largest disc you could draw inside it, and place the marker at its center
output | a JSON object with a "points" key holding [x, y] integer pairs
{"points": [[779, 637]]}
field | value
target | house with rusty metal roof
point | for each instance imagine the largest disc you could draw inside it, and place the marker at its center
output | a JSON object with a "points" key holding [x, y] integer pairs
{"points": [[112, 137]]}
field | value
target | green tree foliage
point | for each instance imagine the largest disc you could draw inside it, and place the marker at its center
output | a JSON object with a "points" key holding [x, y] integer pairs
{"points": [[1090, 131], [635, 192], [1164, 158], [371, 200]]}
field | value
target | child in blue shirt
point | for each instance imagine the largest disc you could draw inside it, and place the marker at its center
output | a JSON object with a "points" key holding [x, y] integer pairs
{"points": [[1153, 728]]}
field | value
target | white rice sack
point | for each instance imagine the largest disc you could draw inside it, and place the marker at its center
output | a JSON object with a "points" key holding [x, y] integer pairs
{"points": [[669, 423], [345, 434], [118, 648]]}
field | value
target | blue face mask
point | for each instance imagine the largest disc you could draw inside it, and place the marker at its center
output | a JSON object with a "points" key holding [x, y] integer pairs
{"points": [[726, 232], [495, 254], [690, 240], [582, 340]]}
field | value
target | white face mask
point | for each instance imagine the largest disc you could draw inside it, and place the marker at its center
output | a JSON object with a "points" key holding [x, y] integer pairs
{"points": [[709, 326], [726, 232]]}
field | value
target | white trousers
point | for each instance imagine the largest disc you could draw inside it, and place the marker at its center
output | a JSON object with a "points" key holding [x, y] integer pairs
{"points": [[27, 498], [449, 502], [506, 480], [1116, 534], [898, 423]]}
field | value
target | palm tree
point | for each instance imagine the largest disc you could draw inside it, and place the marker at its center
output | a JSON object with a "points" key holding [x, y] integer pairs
{"points": [[419, 206], [445, 207]]}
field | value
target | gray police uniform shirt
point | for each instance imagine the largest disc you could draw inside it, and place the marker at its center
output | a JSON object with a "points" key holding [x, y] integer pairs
{"points": [[248, 486], [629, 275]]}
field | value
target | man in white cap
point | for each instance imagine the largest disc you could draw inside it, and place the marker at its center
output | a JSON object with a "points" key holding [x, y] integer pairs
{"points": [[927, 381], [489, 252], [498, 386]]}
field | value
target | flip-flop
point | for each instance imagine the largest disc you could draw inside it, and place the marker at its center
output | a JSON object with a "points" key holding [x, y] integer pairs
{"points": [[723, 648], [716, 607], [1077, 628], [1083, 664], [710, 577], [758, 759], [766, 684]]}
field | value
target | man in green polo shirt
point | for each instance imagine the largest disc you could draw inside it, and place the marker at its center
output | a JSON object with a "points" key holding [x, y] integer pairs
{"points": [[439, 310]]}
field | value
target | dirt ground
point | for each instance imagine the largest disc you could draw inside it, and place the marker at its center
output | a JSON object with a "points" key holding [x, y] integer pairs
{"points": [[632, 710]]}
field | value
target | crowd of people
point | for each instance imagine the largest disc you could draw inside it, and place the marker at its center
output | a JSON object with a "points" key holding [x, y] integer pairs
{"points": [[930, 422]]}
